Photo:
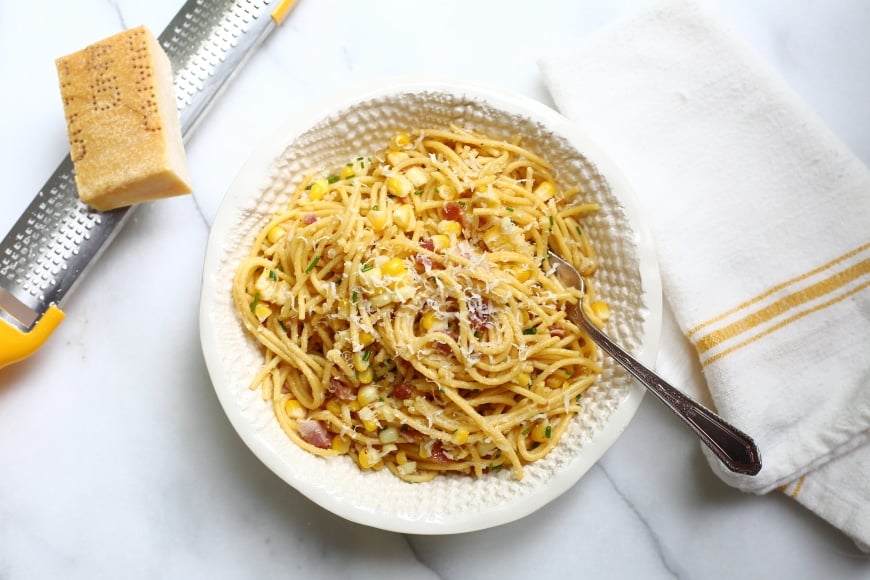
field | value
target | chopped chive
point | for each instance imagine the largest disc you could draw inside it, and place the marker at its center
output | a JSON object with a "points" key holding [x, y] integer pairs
{"points": [[552, 221], [349, 165], [530, 330], [332, 178], [284, 328], [508, 208], [418, 192], [312, 264], [366, 267], [367, 355], [351, 176], [495, 467], [255, 302], [548, 432], [526, 431], [273, 275], [359, 158], [461, 204], [354, 296], [376, 207], [579, 231], [308, 187]]}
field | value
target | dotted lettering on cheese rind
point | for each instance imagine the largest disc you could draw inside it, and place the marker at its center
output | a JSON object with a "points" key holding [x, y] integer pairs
{"points": [[105, 90], [138, 53]]}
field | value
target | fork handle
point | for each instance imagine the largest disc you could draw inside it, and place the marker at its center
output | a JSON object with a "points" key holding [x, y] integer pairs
{"points": [[732, 446]]}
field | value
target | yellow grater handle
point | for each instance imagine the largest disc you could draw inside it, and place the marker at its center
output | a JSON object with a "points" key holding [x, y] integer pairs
{"points": [[16, 345]]}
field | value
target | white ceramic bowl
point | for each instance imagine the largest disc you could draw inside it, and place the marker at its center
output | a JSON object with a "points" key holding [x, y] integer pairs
{"points": [[360, 123]]}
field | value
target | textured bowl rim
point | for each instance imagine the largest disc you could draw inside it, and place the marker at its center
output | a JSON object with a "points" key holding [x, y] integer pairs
{"points": [[252, 172]]}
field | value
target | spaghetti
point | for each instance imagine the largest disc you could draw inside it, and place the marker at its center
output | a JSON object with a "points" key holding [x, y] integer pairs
{"points": [[407, 312]]}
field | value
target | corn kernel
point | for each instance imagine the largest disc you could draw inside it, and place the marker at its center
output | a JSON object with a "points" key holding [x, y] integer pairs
{"points": [[380, 298], [388, 435], [396, 157], [403, 217], [417, 176], [493, 238], [524, 380], [400, 140], [446, 191], [294, 409], [340, 444], [365, 338], [545, 190], [367, 394], [399, 185], [276, 233], [262, 311], [370, 426], [486, 198], [368, 458], [449, 227], [601, 310], [367, 376], [541, 432], [430, 320], [360, 360], [378, 219], [319, 188], [440, 242], [347, 172], [394, 267], [401, 458], [334, 407], [553, 382], [460, 437], [354, 406], [407, 468], [362, 167], [524, 275]]}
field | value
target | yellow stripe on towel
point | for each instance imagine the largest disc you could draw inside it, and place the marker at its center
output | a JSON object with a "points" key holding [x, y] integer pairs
{"points": [[781, 305]]}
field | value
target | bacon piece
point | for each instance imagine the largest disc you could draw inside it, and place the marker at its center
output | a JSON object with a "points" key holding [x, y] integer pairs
{"points": [[453, 211], [558, 332], [443, 346], [411, 434], [427, 244], [403, 391], [340, 390], [310, 219], [315, 433], [439, 455]]}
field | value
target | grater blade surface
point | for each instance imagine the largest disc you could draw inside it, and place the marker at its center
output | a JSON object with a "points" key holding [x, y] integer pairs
{"points": [[58, 237]]}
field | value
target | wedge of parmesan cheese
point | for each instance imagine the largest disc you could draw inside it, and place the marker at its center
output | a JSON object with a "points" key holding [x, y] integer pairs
{"points": [[122, 121]]}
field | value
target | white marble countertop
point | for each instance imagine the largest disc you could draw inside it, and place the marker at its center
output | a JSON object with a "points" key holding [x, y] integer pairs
{"points": [[116, 460]]}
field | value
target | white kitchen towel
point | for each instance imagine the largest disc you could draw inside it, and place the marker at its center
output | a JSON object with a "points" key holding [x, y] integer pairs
{"points": [[762, 225]]}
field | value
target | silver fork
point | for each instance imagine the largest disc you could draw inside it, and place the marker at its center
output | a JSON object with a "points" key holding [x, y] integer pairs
{"points": [[733, 447]]}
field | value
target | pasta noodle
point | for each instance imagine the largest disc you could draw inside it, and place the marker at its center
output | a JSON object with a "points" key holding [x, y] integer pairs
{"points": [[408, 313]]}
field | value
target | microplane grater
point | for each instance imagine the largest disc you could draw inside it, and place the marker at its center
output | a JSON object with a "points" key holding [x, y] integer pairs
{"points": [[58, 237]]}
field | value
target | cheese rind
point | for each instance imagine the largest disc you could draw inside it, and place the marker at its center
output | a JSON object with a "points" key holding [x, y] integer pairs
{"points": [[122, 121]]}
